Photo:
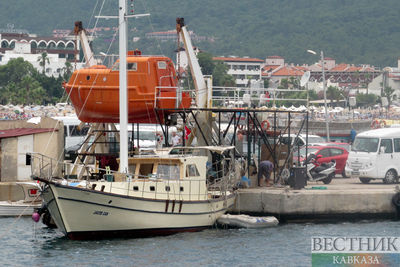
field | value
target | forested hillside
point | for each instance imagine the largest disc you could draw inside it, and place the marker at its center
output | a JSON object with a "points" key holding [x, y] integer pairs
{"points": [[360, 32]]}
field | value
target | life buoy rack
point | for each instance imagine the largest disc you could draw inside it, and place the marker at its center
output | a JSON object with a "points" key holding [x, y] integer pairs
{"points": [[378, 124], [375, 124], [160, 138], [265, 125]]}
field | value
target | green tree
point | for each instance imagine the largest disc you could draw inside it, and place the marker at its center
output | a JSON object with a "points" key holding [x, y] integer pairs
{"points": [[21, 83], [67, 70], [266, 83], [206, 63], [333, 93], [220, 76], [284, 84], [388, 93], [366, 100], [43, 59], [15, 70]]}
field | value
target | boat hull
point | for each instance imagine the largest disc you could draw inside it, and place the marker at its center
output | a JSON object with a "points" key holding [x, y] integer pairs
{"points": [[151, 91], [17, 208], [89, 214]]}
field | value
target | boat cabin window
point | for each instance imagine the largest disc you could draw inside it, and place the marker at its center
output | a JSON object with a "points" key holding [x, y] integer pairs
{"points": [[162, 65], [168, 171], [145, 169], [191, 170], [132, 66], [115, 66]]}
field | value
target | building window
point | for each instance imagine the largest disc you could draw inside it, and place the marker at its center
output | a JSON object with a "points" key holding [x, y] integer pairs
{"points": [[162, 65], [132, 66]]}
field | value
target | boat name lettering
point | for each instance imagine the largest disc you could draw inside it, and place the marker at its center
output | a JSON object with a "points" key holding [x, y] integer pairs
{"points": [[99, 212]]}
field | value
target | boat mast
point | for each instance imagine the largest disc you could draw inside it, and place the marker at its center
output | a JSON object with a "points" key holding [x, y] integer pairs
{"points": [[123, 94], [203, 91]]}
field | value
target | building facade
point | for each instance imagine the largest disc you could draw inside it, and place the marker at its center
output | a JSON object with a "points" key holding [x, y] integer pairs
{"points": [[30, 47], [245, 70]]}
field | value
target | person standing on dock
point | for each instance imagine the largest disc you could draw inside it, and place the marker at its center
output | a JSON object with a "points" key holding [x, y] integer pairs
{"points": [[264, 170], [353, 134]]}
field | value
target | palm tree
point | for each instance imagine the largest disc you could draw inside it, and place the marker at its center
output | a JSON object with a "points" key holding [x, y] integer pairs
{"points": [[43, 59], [67, 70]]}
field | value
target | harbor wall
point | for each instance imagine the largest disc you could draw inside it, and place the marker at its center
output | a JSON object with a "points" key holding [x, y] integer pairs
{"points": [[290, 204]]}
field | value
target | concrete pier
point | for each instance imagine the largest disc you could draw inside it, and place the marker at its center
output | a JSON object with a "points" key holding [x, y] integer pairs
{"points": [[343, 199]]}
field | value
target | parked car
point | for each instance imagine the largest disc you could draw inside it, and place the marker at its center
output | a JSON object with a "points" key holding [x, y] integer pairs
{"points": [[301, 139], [328, 153], [346, 146]]}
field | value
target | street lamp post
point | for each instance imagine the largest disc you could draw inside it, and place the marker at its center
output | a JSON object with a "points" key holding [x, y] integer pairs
{"points": [[324, 89]]}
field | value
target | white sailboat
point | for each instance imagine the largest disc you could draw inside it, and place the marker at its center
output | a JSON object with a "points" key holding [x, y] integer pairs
{"points": [[19, 198], [164, 194], [151, 195]]}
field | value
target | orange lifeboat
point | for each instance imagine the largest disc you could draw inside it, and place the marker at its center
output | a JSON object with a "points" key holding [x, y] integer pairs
{"points": [[152, 88]]}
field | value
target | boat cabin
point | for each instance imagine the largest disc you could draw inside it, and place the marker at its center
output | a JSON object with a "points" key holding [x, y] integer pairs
{"points": [[170, 168]]}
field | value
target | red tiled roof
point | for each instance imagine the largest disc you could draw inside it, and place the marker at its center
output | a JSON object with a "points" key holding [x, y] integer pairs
{"points": [[340, 67], [23, 131], [276, 57], [238, 59], [288, 71], [354, 68], [302, 68], [367, 69], [270, 67]]}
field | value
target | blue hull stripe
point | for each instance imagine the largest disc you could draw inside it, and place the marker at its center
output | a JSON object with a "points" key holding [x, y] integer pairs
{"points": [[137, 210], [130, 197]]}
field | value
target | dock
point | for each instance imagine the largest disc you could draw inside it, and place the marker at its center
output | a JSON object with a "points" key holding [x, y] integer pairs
{"points": [[343, 199]]}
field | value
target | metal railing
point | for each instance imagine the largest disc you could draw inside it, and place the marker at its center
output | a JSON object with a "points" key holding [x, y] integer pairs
{"points": [[47, 168]]}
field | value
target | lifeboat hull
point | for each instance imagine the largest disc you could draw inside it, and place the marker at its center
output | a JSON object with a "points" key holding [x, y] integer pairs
{"points": [[152, 91]]}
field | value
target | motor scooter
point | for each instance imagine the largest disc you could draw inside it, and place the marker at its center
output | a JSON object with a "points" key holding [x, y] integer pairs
{"points": [[324, 172]]}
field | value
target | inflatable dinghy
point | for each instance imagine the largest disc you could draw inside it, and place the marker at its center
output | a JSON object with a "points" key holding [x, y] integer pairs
{"points": [[246, 221]]}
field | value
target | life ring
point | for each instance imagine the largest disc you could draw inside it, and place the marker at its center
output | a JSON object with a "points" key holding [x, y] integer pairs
{"points": [[160, 138], [263, 125], [375, 124]]}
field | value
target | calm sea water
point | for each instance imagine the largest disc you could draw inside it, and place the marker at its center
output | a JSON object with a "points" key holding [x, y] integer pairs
{"points": [[24, 243]]}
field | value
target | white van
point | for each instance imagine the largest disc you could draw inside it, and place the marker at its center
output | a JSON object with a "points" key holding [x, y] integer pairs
{"points": [[375, 154], [73, 134]]}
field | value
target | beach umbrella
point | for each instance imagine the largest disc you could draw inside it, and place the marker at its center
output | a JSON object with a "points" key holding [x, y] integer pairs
{"points": [[302, 108], [34, 120]]}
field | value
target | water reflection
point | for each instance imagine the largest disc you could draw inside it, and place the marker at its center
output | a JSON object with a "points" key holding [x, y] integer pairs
{"points": [[285, 245]]}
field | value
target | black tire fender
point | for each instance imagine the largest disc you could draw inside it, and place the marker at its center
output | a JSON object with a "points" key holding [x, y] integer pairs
{"points": [[396, 200]]}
